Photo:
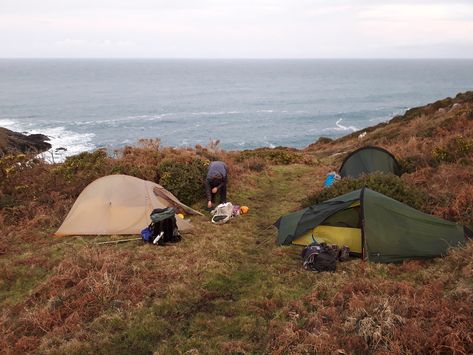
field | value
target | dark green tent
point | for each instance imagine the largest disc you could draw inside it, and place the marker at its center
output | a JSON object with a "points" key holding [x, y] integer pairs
{"points": [[368, 160], [390, 230]]}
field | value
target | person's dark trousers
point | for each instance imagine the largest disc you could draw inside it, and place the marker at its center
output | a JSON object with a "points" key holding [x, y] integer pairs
{"points": [[223, 194]]}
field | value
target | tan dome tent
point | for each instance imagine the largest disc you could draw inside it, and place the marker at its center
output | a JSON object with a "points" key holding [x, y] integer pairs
{"points": [[369, 160], [119, 204]]}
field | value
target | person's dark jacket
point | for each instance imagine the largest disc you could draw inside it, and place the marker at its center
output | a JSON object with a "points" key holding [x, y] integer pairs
{"points": [[217, 176]]}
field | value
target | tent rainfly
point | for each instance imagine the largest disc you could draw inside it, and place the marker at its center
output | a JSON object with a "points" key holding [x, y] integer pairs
{"points": [[368, 160], [372, 225], [119, 204]]}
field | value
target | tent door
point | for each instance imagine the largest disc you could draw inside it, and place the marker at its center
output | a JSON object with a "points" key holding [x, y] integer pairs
{"points": [[341, 236]]}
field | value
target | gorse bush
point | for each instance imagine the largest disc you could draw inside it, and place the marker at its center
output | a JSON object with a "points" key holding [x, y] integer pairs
{"points": [[184, 179], [440, 154], [86, 164], [387, 184], [456, 148], [9, 164]]}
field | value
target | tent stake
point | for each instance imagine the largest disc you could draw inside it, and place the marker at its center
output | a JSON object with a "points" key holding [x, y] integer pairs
{"points": [[118, 241]]}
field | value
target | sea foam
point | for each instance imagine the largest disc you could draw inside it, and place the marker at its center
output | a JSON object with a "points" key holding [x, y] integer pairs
{"points": [[59, 138]]}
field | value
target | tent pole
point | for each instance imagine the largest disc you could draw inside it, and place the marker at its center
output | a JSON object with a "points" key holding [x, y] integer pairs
{"points": [[362, 212]]}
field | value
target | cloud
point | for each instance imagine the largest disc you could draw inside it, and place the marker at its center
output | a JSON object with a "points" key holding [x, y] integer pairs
{"points": [[419, 12], [224, 28]]}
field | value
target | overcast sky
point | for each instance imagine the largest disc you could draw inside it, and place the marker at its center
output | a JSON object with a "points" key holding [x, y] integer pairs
{"points": [[237, 28]]}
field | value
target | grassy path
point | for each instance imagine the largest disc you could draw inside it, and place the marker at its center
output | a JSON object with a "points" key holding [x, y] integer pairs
{"points": [[239, 299]]}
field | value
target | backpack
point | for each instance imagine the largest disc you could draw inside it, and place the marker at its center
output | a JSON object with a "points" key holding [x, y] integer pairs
{"points": [[163, 227], [320, 257]]}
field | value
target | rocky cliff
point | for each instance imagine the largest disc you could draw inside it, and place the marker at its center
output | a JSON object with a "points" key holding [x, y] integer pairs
{"points": [[18, 142]]}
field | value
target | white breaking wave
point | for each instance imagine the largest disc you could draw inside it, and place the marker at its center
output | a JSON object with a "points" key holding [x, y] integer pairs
{"points": [[339, 127], [345, 128], [74, 142], [207, 113], [9, 124], [115, 121], [59, 137]]}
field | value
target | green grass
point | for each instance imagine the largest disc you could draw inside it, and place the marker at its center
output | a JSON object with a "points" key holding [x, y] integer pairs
{"points": [[23, 272]]}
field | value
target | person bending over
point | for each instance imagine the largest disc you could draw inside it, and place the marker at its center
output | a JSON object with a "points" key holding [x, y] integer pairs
{"points": [[216, 180]]}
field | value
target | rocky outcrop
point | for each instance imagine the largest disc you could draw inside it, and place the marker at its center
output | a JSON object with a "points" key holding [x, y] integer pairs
{"points": [[11, 142]]}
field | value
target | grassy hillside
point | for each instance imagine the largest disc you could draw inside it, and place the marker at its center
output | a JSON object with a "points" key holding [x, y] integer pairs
{"points": [[229, 288]]}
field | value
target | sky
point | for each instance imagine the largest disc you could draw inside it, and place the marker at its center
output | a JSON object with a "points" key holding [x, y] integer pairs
{"points": [[236, 29]]}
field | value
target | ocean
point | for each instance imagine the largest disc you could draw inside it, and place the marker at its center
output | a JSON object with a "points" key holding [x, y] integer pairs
{"points": [[85, 104]]}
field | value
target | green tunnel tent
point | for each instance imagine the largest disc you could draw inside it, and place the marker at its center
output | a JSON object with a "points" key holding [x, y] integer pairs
{"points": [[373, 225], [368, 160]]}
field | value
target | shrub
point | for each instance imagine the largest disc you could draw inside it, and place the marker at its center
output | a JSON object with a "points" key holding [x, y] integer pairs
{"points": [[324, 140], [207, 154], [277, 156], [444, 103], [456, 148], [469, 115], [138, 162], [411, 163], [442, 154], [86, 163], [13, 165], [183, 178], [256, 164], [427, 133], [462, 146], [387, 184], [7, 201]]}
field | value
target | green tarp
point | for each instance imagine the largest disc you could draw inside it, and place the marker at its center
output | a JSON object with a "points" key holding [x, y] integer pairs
{"points": [[391, 230], [368, 160]]}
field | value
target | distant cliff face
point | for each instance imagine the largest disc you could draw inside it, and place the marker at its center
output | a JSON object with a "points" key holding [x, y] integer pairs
{"points": [[17, 142]]}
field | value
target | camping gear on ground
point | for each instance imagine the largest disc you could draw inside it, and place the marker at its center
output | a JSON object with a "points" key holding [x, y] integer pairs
{"points": [[160, 214], [344, 253], [119, 204], [331, 178], [320, 257], [222, 213], [163, 227], [236, 210], [147, 233], [372, 225], [368, 160]]}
